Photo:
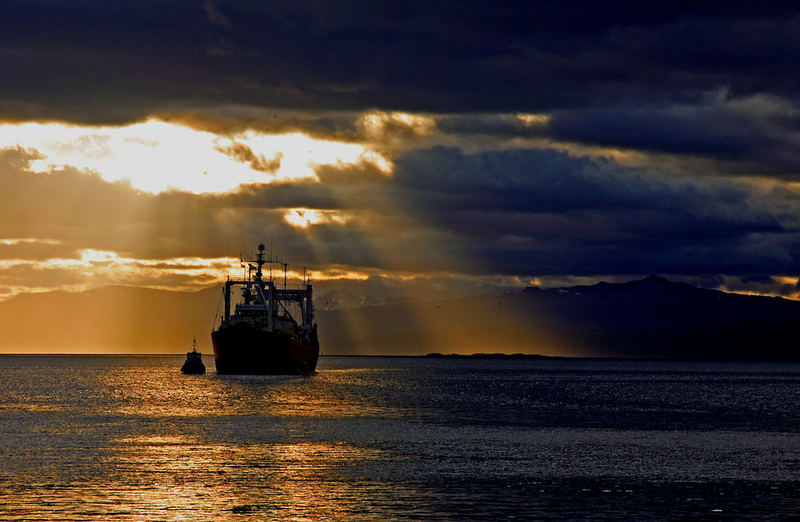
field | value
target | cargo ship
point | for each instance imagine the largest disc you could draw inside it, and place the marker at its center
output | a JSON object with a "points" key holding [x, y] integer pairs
{"points": [[271, 330]]}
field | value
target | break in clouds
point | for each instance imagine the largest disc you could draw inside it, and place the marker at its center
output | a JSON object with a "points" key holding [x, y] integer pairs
{"points": [[493, 144]]}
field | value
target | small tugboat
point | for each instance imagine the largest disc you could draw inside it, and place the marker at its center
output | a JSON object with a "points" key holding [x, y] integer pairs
{"points": [[194, 361], [272, 330]]}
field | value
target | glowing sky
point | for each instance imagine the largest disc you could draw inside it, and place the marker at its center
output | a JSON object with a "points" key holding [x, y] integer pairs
{"points": [[155, 156], [461, 147]]}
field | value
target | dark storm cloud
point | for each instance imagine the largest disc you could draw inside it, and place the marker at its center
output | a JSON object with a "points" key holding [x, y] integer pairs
{"points": [[545, 212], [758, 133], [116, 61], [545, 180], [703, 132], [751, 135]]}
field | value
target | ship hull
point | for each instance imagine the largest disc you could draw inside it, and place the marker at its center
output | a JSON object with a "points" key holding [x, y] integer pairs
{"points": [[243, 349], [193, 367]]}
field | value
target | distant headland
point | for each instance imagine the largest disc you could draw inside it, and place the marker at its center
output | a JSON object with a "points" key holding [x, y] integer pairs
{"points": [[514, 356]]}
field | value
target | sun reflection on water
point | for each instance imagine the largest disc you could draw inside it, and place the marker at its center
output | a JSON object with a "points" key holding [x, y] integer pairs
{"points": [[182, 478], [329, 394], [140, 443]]}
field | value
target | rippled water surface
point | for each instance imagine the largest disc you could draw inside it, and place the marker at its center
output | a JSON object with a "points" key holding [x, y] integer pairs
{"points": [[398, 438]]}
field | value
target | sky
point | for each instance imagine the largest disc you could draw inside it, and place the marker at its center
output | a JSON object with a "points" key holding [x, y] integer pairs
{"points": [[444, 147]]}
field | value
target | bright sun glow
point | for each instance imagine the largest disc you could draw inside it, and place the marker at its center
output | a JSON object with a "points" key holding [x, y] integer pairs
{"points": [[308, 217], [156, 156]]}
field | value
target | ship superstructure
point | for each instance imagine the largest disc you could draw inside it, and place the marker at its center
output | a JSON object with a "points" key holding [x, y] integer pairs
{"points": [[271, 330]]}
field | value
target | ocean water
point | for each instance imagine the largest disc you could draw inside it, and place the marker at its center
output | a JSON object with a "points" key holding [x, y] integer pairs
{"points": [[381, 438]]}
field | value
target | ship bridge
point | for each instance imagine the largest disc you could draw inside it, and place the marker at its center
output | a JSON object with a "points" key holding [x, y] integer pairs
{"points": [[261, 297]]}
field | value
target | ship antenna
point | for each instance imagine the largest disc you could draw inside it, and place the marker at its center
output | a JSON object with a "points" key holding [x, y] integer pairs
{"points": [[260, 261], [285, 265]]}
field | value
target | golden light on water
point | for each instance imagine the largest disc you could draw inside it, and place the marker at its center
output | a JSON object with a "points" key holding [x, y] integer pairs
{"points": [[271, 469], [156, 156]]}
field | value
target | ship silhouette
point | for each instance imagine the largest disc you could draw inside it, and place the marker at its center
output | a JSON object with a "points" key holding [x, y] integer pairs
{"points": [[271, 331]]}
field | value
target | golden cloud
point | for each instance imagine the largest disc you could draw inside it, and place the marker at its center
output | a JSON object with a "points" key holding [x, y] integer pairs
{"points": [[156, 156]]}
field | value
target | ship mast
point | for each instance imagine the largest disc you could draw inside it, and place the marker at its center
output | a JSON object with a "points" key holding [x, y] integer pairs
{"points": [[260, 262]]}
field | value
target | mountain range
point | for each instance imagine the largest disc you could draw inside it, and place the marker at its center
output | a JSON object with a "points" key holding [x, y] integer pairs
{"points": [[647, 318]]}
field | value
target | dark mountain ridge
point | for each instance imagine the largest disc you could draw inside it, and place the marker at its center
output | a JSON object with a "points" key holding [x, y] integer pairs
{"points": [[647, 318], [654, 317]]}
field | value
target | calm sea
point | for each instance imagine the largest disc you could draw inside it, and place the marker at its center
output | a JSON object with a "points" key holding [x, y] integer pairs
{"points": [[110, 437]]}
